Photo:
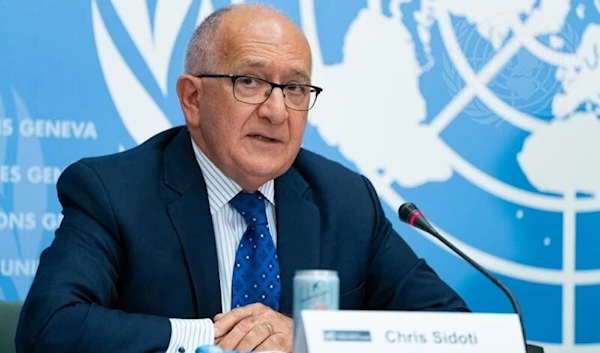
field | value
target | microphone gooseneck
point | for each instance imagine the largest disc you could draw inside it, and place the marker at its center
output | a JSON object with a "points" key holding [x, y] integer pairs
{"points": [[409, 213]]}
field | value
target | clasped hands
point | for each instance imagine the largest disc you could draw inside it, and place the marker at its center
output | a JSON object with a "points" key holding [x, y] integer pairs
{"points": [[254, 327]]}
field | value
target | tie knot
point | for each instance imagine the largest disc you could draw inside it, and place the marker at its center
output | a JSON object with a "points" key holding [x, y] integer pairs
{"points": [[251, 206]]}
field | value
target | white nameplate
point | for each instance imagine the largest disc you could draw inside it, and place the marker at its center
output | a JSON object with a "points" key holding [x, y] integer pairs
{"points": [[407, 332]]}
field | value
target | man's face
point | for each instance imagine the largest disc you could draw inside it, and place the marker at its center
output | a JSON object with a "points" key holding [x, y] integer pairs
{"points": [[253, 143]]}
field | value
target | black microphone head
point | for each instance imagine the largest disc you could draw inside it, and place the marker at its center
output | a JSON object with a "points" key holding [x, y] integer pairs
{"points": [[409, 213], [406, 210]]}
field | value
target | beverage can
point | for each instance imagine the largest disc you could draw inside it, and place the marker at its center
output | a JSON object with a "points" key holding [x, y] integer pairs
{"points": [[315, 290]]}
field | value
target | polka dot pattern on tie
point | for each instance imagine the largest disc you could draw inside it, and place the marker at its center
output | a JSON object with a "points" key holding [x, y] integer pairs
{"points": [[256, 271]]}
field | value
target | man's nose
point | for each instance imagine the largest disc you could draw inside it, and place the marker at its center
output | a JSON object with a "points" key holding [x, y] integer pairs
{"points": [[274, 107]]}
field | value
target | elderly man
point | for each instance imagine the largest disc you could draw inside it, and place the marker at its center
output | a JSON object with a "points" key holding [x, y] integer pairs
{"points": [[160, 242]]}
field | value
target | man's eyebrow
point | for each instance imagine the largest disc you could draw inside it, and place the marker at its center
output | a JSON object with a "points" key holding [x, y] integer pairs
{"points": [[261, 65], [302, 73]]}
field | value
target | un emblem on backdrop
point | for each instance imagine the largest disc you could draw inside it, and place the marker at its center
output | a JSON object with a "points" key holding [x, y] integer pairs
{"points": [[495, 106]]}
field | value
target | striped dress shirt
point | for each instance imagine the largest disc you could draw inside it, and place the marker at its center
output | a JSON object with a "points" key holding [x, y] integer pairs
{"points": [[229, 226]]}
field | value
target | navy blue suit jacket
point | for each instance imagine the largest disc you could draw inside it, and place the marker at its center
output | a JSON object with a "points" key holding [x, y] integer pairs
{"points": [[137, 247]]}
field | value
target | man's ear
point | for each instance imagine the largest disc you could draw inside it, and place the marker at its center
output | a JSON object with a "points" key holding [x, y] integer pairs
{"points": [[188, 90]]}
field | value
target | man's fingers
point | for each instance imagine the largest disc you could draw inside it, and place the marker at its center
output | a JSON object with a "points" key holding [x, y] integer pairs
{"points": [[255, 337], [253, 327], [234, 336], [227, 321]]}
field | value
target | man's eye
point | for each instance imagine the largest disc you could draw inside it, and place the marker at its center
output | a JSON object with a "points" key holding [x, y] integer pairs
{"points": [[249, 81], [297, 89]]}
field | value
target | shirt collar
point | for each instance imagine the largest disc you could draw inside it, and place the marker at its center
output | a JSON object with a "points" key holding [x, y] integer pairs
{"points": [[220, 188]]}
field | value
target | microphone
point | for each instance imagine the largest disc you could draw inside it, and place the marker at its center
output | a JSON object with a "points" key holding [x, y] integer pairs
{"points": [[409, 213]]}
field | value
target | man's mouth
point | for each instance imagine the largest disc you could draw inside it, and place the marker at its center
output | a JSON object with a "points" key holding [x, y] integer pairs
{"points": [[263, 138]]}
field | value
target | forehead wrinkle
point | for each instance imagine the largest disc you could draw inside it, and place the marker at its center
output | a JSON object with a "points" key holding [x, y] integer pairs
{"points": [[247, 39]]}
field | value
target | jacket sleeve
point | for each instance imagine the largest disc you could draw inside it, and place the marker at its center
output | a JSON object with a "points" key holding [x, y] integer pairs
{"points": [[71, 303], [397, 279]]}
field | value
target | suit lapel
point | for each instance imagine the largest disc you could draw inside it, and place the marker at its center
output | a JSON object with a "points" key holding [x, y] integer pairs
{"points": [[190, 215], [298, 238], [298, 231]]}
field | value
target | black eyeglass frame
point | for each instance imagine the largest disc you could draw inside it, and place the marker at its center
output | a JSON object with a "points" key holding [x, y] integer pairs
{"points": [[273, 85]]}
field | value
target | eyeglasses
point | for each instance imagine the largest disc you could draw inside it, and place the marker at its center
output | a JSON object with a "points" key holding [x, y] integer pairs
{"points": [[253, 90]]}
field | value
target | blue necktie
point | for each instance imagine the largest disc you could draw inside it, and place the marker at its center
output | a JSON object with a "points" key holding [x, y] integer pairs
{"points": [[256, 270]]}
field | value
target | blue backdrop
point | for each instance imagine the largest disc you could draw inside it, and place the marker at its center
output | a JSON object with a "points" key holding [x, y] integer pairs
{"points": [[485, 115]]}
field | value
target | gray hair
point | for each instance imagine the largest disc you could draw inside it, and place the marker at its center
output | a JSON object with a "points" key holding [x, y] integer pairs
{"points": [[201, 50], [201, 53]]}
